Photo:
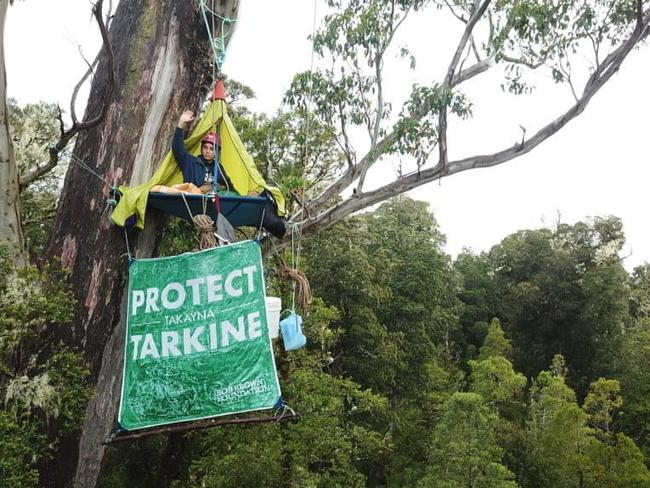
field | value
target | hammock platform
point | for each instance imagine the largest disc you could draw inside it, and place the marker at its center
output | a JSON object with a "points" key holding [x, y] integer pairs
{"points": [[239, 210]]}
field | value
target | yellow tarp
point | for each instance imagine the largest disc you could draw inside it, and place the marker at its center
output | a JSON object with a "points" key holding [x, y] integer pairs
{"points": [[237, 163]]}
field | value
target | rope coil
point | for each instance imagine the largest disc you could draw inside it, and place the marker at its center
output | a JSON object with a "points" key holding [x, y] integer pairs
{"points": [[205, 231], [302, 289]]}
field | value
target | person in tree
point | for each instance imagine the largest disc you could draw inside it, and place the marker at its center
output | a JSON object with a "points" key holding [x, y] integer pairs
{"points": [[200, 170]]}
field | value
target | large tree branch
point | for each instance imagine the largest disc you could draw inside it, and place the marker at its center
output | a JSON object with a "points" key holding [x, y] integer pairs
{"points": [[408, 182], [359, 200], [483, 65], [352, 173], [477, 12], [349, 175], [67, 135]]}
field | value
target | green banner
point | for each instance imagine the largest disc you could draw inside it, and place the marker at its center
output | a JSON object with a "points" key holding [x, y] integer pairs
{"points": [[197, 340]]}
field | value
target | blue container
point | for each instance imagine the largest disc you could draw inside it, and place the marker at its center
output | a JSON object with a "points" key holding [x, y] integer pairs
{"points": [[292, 335]]}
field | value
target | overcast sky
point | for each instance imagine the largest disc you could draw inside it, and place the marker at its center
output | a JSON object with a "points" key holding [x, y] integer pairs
{"points": [[598, 165]]}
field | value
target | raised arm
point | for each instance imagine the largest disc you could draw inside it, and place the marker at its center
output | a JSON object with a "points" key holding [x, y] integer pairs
{"points": [[178, 142]]}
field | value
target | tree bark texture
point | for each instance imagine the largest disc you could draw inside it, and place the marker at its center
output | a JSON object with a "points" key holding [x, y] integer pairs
{"points": [[11, 229], [163, 64]]}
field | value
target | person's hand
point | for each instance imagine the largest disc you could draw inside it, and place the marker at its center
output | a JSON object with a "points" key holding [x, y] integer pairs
{"points": [[185, 118]]}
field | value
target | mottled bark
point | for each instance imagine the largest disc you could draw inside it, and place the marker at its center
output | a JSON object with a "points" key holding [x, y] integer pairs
{"points": [[11, 229], [162, 65]]}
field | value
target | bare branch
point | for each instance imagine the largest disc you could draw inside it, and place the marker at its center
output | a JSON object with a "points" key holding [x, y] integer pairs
{"points": [[60, 117], [566, 71], [366, 108], [397, 26], [486, 64], [91, 67], [490, 28], [67, 135], [77, 87], [97, 12], [346, 141], [454, 13], [380, 103], [379, 115], [596, 47]]}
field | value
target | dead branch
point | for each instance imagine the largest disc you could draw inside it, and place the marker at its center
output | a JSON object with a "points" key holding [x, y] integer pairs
{"points": [[77, 87], [454, 13], [67, 135]]}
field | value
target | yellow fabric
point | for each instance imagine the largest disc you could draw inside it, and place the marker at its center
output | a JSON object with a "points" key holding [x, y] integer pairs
{"points": [[237, 163]]}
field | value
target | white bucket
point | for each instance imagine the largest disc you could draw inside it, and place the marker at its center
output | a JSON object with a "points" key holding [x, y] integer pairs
{"points": [[273, 308]]}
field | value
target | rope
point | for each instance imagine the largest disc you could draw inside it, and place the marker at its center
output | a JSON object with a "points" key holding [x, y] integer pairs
{"points": [[205, 231], [301, 288], [260, 228], [301, 283], [306, 152], [112, 201], [310, 93], [285, 408], [85, 166], [204, 226], [128, 248], [294, 266], [189, 210], [218, 44]]}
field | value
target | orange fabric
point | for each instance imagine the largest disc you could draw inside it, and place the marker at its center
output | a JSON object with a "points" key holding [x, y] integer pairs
{"points": [[190, 188]]}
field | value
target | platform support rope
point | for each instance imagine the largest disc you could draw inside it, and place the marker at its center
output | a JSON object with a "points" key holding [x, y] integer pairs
{"points": [[301, 290]]}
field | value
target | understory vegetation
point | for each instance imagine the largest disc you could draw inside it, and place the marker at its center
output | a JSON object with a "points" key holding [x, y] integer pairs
{"points": [[523, 366]]}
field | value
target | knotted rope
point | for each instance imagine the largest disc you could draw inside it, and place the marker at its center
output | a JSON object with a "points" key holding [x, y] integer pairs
{"points": [[205, 231], [303, 289]]}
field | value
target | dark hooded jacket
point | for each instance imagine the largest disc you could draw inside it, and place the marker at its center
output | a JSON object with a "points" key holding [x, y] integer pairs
{"points": [[196, 169]]}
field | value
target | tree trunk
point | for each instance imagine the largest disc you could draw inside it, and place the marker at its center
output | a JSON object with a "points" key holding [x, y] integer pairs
{"points": [[11, 228], [162, 65]]}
